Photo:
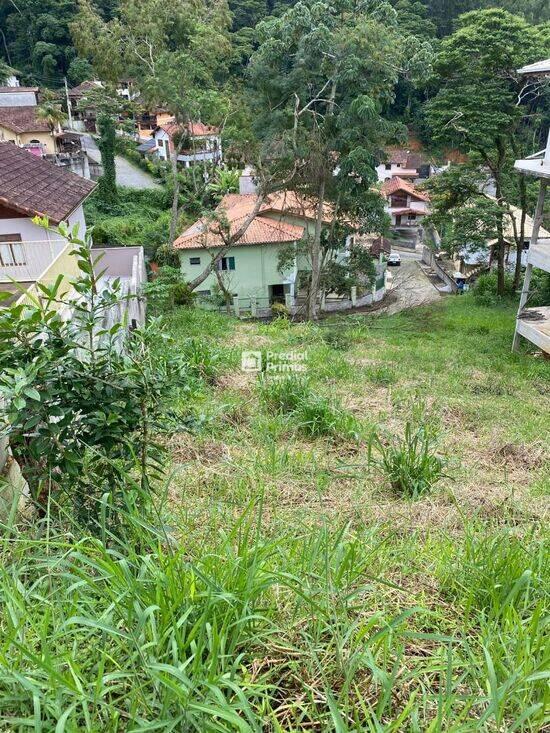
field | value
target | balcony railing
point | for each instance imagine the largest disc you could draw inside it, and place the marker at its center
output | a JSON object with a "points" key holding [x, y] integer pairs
{"points": [[26, 261]]}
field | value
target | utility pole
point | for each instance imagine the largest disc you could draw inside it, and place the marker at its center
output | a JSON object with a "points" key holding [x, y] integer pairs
{"points": [[69, 112]]}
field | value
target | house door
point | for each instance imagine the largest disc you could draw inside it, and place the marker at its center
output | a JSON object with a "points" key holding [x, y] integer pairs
{"points": [[277, 293], [398, 220]]}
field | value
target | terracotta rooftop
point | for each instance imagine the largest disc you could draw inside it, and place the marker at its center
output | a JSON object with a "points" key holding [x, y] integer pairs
{"points": [[236, 207], [35, 187], [399, 184], [195, 129], [22, 119], [84, 87]]}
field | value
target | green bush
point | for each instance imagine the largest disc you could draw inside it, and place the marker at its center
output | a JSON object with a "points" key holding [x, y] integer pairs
{"points": [[279, 310], [539, 291], [314, 414], [410, 464], [485, 289], [182, 294]]}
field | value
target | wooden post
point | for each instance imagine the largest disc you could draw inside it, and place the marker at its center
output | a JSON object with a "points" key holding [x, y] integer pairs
{"points": [[537, 221], [353, 296], [253, 307], [236, 305]]}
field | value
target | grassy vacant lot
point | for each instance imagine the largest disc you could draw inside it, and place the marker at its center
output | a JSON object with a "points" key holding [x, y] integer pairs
{"points": [[300, 590]]}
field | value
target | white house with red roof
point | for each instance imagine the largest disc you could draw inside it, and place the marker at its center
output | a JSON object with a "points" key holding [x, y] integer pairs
{"points": [[201, 143], [405, 204]]}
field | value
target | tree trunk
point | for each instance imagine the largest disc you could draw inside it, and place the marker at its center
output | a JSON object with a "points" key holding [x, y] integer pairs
{"points": [[316, 244], [316, 256], [175, 198], [501, 243]]}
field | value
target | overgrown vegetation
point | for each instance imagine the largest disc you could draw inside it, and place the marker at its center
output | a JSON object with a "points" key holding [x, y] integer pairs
{"points": [[282, 583]]}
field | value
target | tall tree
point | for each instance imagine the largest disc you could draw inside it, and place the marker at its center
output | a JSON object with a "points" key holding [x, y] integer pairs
{"points": [[319, 80], [176, 53], [477, 106]]}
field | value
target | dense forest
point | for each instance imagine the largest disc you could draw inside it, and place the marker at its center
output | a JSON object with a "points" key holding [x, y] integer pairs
{"points": [[36, 39]]}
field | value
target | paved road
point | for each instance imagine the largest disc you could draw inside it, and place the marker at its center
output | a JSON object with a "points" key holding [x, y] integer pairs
{"points": [[127, 174], [411, 287]]}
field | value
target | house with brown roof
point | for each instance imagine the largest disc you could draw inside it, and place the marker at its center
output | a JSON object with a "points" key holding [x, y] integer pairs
{"points": [[22, 126], [251, 269], [405, 163], [31, 186], [201, 143], [405, 203]]}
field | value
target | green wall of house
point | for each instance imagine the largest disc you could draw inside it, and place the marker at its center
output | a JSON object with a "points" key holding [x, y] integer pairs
{"points": [[256, 268]]}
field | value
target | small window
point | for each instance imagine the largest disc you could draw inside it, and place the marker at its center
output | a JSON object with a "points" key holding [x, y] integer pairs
{"points": [[194, 260], [388, 166], [160, 142], [227, 263], [11, 252]]}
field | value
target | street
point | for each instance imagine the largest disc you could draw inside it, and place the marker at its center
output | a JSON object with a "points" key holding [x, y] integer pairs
{"points": [[127, 174], [410, 286]]}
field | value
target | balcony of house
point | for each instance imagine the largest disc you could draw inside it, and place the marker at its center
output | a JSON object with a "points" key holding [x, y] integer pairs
{"points": [[199, 156], [25, 262], [534, 325], [537, 164]]}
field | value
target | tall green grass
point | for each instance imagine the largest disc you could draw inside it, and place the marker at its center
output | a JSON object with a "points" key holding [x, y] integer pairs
{"points": [[311, 628]]}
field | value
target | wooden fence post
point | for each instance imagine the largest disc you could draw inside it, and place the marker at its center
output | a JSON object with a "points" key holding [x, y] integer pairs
{"points": [[353, 295]]}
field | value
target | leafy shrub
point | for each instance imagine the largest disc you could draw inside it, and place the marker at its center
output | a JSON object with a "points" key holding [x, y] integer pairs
{"points": [[485, 289], [337, 338], [279, 310], [410, 463], [78, 413], [201, 358], [182, 294], [314, 414]]}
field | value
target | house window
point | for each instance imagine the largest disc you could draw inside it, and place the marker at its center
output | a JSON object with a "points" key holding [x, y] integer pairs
{"points": [[194, 260], [11, 252], [160, 142], [388, 166], [227, 263]]}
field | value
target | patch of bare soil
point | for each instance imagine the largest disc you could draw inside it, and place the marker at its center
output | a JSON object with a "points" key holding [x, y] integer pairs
{"points": [[237, 380]]}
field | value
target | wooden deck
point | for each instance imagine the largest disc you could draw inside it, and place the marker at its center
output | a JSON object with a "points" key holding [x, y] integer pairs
{"points": [[534, 325], [534, 167]]}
